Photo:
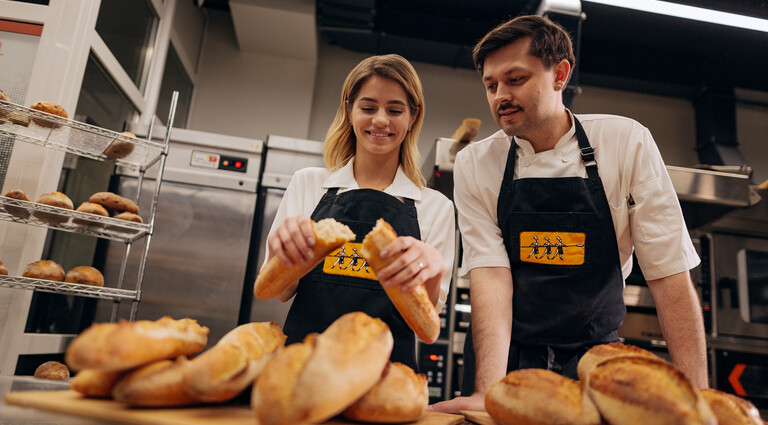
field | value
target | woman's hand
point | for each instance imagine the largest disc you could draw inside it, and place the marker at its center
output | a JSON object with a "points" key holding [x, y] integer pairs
{"points": [[419, 264], [291, 242]]}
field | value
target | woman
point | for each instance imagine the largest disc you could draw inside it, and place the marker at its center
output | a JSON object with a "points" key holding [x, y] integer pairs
{"points": [[372, 157]]}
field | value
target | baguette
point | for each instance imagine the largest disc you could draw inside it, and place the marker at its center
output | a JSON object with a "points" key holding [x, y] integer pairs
{"points": [[111, 347], [730, 409], [539, 397], [230, 366], [415, 307], [641, 390], [602, 352], [400, 396], [317, 379], [156, 384], [94, 383], [275, 277]]}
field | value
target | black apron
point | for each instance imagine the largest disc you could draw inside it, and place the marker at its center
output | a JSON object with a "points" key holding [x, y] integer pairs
{"points": [[322, 296], [566, 272]]}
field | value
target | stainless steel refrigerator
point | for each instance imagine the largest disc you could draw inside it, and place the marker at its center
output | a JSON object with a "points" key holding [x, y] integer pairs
{"points": [[199, 254]]}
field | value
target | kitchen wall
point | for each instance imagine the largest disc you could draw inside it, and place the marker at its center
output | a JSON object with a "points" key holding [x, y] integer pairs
{"points": [[251, 95]]}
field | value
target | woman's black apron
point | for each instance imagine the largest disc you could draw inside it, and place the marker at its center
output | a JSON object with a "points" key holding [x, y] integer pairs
{"points": [[343, 282], [566, 274]]}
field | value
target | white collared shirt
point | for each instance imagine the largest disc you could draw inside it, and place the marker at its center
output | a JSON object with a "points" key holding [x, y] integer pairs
{"points": [[434, 211], [628, 162]]}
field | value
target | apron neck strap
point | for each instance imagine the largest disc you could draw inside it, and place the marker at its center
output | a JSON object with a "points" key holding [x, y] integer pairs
{"points": [[587, 151]]}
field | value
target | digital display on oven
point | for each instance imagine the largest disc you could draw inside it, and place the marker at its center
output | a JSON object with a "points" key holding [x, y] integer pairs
{"points": [[753, 283]]}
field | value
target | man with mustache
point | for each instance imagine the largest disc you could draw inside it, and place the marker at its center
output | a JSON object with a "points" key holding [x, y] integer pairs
{"points": [[538, 178]]}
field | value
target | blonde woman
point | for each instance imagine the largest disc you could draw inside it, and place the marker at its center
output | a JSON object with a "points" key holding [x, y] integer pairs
{"points": [[372, 172]]}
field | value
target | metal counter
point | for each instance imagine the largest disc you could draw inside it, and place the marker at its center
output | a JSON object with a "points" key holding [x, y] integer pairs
{"points": [[15, 415]]}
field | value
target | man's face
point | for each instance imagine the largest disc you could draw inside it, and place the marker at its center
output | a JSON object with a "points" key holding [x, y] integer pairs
{"points": [[520, 91]]}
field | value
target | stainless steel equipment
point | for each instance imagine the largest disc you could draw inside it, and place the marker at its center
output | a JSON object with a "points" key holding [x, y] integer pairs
{"points": [[283, 156], [205, 215]]}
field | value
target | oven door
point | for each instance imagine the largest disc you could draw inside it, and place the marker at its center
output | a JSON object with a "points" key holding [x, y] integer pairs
{"points": [[741, 286]]}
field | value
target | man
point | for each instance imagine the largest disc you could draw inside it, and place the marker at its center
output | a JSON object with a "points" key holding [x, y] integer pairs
{"points": [[538, 178]]}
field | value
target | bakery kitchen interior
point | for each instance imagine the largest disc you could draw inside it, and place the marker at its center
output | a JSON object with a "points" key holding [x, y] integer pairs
{"points": [[147, 145]]}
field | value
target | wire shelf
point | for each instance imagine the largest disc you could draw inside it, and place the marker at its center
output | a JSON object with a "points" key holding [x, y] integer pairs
{"points": [[27, 212], [40, 128], [67, 288]]}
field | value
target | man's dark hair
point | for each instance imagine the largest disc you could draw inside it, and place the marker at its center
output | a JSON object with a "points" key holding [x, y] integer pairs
{"points": [[549, 41]]}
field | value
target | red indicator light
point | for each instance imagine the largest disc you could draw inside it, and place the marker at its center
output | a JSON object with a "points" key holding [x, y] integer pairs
{"points": [[437, 174], [238, 164], [433, 357], [212, 158], [707, 307]]}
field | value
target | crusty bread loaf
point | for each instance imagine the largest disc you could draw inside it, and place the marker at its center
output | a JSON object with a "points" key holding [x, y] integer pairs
{"points": [[44, 269], [85, 275], [275, 277], [114, 202], [230, 366], [400, 396], [54, 199], [52, 370], [124, 345], [539, 397], [415, 306], [95, 383], [156, 384], [317, 379], [602, 352], [3, 269], [50, 108], [642, 390], [90, 208], [17, 211], [3, 98], [730, 409], [120, 148]]}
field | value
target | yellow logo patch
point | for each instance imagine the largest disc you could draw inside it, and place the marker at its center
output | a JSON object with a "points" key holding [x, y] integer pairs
{"points": [[561, 248], [347, 261]]}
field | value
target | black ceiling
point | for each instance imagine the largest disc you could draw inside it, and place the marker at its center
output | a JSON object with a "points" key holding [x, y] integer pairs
{"points": [[619, 48]]}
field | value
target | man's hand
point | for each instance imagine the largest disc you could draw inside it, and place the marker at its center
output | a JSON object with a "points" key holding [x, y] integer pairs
{"points": [[475, 402]]}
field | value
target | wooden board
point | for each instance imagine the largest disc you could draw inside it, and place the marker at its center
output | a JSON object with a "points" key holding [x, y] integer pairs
{"points": [[73, 403], [480, 418]]}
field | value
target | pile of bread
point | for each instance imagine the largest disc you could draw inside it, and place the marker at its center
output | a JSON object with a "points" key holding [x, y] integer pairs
{"points": [[100, 203], [51, 113], [618, 385], [343, 370]]}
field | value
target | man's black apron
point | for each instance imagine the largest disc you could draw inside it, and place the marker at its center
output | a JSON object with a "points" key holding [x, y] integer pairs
{"points": [[344, 283], [566, 274]]}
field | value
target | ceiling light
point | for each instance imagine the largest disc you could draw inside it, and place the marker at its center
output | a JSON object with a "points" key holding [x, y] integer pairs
{"points": [[690, 12]]}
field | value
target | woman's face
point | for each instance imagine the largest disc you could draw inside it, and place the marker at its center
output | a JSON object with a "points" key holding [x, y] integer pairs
{"points": [[380, 117]]}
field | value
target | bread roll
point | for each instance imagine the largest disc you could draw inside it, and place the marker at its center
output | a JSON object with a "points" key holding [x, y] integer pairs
{"points": [[50, 108], [275, 277], [415, 306], [400, 396], [3, 269], [52, 370], [157, 384], [602, 352], [730, 409], [94, 383], [317, 379], [539, 397], [85, 275], [45, 270], [128, 216], [124, 345], [17, 211], [642, 390], [54, 199], [90, 208], [19, 118], [3, 98], [120, 148], [230, 366], [114, 202]]}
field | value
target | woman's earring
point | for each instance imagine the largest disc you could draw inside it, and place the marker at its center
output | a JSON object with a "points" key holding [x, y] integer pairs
{"points": [[558, 86]]}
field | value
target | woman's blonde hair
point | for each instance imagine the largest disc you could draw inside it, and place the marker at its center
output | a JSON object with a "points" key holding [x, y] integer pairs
{"points": [[340, 141]]}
